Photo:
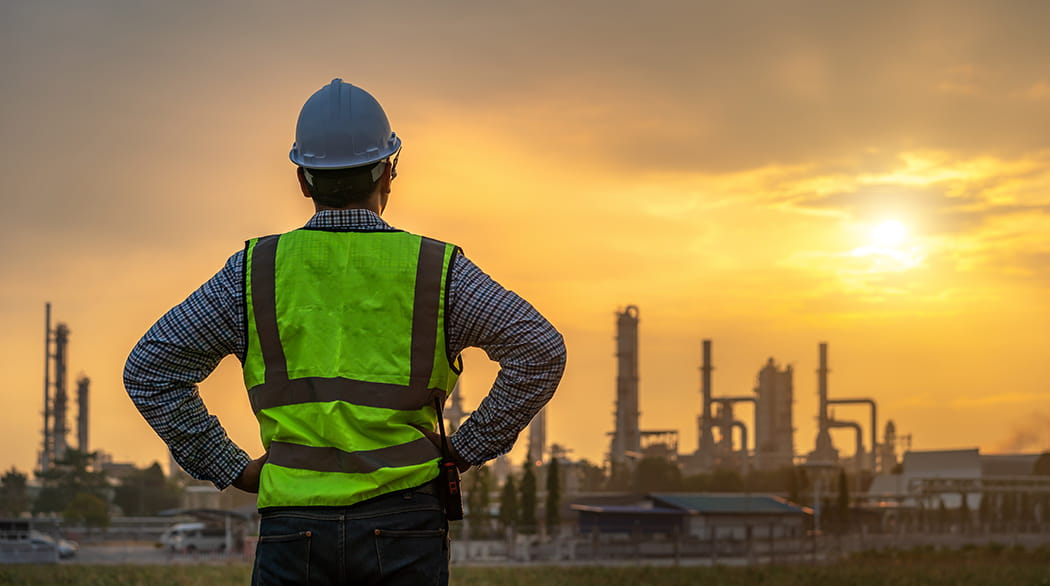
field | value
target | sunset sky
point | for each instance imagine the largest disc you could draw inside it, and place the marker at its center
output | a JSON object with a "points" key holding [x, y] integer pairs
{"points": [[765, 175]]}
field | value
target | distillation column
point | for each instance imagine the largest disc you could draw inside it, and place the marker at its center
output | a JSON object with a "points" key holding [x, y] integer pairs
{"points": [[888, 449], [59, 426], [83, 392], [45, 452], [774, 417], [538, 437], [626, 437]]}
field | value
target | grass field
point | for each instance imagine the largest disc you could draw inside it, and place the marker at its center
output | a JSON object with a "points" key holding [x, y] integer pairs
{"points": [[974, 566]]}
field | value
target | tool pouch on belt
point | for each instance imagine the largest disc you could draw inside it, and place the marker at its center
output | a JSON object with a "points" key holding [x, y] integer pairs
{"points": [[448, 477]]}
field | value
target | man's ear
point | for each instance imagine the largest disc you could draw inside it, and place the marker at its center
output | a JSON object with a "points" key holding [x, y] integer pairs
{"points": [[386, 179], [301, 174]]}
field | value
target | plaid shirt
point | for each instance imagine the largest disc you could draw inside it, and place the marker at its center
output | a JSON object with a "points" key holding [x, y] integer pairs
{"points": [[187, 343]]}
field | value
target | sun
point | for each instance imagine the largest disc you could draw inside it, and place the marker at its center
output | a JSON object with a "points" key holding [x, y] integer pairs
{"points": [[890, 248], [889, 234]]}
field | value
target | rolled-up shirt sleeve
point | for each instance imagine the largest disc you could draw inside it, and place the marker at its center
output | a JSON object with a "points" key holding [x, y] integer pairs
{"points": [[530, 352], [177, 353]]}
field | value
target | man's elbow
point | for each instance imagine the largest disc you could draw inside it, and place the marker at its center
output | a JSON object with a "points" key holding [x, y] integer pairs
{"points": [[137, 373], [554, 355], [559, 350]]}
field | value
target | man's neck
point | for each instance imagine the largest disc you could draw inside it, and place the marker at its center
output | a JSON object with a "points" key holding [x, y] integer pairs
{"points": [[373, 209]]}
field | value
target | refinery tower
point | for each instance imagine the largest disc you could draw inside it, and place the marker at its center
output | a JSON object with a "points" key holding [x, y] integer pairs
{"points": [[56, 431], [626, 437]]}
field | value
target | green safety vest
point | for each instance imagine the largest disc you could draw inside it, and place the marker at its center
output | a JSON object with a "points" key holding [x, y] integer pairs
{"points": [[346, 356]]}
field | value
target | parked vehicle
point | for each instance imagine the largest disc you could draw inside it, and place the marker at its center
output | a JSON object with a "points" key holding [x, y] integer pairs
{"points": [[20, 543], [193, 537], [65, 547]]}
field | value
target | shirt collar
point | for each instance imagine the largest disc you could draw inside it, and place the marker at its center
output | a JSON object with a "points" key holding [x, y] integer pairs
{"points": [[354, 219]]}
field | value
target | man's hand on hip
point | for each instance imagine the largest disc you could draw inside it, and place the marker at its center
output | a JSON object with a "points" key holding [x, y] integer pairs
{"points": [[435, 437], [248, 481]]}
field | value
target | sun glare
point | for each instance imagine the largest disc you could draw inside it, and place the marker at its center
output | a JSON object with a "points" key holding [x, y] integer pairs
{"points": [[889, 249], [889, 234]]}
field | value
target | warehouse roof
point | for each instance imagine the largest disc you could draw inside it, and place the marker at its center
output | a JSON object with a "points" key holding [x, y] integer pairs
{"points": [[716, 503], [632, 510]]}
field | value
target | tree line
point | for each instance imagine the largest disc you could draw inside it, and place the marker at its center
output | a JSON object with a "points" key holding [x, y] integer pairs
{"points": [[77, 488], [518, 502]]}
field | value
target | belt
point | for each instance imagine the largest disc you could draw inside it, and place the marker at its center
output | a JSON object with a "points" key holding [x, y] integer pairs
{"points": [[428, 488]]}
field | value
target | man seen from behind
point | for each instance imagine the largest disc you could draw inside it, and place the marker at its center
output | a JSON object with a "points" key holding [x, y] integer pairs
{"points": [[349, 332]]}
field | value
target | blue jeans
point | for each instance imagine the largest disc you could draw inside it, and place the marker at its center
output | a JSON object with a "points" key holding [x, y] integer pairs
{"points": [[396, 538]]}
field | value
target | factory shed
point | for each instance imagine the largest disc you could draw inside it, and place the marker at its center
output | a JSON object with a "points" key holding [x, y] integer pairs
{"points": [[698, 515], [732, 516], [998, 465], [630, 519], [922, 466], [958, 481], [887, 491]]}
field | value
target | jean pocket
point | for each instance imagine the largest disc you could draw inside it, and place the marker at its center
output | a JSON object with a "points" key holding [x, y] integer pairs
{"points": [[412, 556], [282, 559]]}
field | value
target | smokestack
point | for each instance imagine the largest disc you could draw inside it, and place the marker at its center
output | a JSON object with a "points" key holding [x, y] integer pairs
{"points": [[706, 438], [83, 389], [824, 451], [705, 387], [822, 384]]}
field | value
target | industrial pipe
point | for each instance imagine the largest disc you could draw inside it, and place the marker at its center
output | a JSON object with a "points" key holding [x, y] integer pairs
{"points": [[743, 435], [730, 400], [832, 423], [874, 419], [728, 403]]}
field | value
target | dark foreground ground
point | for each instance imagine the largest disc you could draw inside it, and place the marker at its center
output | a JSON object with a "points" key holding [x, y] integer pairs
{"points": [[972, 566]]}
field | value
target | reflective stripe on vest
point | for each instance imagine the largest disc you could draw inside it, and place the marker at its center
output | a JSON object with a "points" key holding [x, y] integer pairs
{"points": [[312, 468], [336, 460]]}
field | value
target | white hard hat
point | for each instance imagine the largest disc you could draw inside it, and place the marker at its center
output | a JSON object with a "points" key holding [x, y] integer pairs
{"points": [[342, 126]]}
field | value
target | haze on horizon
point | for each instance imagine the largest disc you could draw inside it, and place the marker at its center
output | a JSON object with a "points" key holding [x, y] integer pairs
{"points": [[876, 176]]}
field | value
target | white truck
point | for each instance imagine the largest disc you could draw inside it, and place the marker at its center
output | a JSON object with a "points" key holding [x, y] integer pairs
{"points": [[193, 538]]}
